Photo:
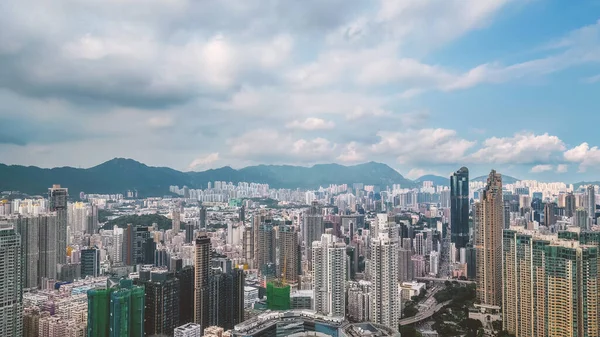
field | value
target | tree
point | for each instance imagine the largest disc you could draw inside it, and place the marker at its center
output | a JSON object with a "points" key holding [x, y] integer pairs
{"points": [[410, 310], [472, 324], [409, 331]]}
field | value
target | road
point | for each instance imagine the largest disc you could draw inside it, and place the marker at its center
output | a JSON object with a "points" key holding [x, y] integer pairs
{"points": [[435, 279], [421, 316]]}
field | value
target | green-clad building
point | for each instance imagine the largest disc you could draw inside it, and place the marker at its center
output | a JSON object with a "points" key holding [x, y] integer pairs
{"points": [[116, 311], [278, 296]]}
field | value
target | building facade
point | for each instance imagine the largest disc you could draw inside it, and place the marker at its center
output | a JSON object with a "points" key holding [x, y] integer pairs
{"points": [[383, 269], [57, 197], [11, 282], [550, 285], [489, 223], [329, 276], [459, 207], [202, 274]]}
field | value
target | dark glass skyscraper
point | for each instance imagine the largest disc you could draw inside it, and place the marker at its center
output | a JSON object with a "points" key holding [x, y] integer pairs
{"points": [[459, 207], [90, 262], [57, 198], [161, 302]]}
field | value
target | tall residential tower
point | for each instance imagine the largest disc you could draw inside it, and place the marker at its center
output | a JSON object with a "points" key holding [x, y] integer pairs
{"points": [[202, 269], [11, 285], [329, 276], [489, 223], [57, 197]]}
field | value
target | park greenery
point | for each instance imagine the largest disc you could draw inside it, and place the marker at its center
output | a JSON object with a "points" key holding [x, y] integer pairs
{"points": [[145, 220], [453, 319]]}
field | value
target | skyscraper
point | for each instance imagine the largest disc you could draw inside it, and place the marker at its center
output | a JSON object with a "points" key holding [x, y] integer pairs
{"points": [[226, 300], [90, 262], [186, 287], [28, 228], [57, 197], [92, 220], [48, 232], [581, 219], [570, 205], [258, 219], [11, 283], [383, 269], [267, 245], [176, 221], [202, 218], [137, 250], [550, 213], [405, 267], [248, 242], [459, 207], [116, 311], [550, 285], [313, 227], [189, 231], [162, 302], [590, 202], [489, 222], [202, 269], [329, 276], [289, 253]]}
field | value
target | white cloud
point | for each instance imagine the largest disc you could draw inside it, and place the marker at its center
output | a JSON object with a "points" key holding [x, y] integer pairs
{"points": [[562, 168], [592, 79], [542, 168], [416, 173], [310, 124], [361, 112], [204, 162], [302, 65], [585, 155], [522, 148], [160, 122], [271, 146], [351, 154], [423, 146]]}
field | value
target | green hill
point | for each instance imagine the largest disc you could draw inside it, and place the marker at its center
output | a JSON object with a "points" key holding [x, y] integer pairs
{"points": [[140, 220], [120, 175]]}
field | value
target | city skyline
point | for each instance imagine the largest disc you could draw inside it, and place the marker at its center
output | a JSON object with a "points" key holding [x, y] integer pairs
{"points": [[287, 84]]}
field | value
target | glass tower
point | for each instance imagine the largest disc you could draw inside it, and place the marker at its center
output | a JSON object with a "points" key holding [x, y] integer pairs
{"points": [[459, 207]]}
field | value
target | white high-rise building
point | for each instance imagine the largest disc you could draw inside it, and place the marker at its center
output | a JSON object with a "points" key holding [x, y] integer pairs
{"points": [[434, 263], [383, 269], [77, 217], [590, 202], [11, 285], [116, 251], [188, 330], [329, 276]]}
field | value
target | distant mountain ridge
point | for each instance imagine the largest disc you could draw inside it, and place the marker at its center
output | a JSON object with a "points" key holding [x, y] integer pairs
{"points": [[505, 179], [119, 175], [437, 180]]}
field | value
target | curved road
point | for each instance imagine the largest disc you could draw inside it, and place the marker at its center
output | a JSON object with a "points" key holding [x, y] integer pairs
{"points": [[424, 314]]}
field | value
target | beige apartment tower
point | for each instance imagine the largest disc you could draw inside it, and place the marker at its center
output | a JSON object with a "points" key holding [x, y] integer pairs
{"points": [[489, 223], [550, 285]]}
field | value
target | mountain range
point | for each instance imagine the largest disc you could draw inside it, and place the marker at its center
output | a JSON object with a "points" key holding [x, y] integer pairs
{"points": [[119, 175]]}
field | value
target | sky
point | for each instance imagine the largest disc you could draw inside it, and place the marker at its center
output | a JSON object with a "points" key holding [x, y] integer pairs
{"points": [[425, 86]]}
